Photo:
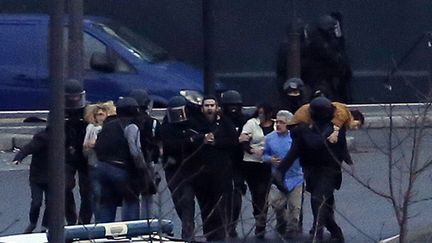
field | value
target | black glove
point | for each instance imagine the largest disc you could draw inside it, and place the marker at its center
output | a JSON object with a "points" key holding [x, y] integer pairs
{"points": [[197, 137]]}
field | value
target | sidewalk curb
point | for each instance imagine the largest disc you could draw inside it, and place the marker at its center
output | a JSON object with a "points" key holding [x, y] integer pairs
{"points": [[9, 141]]}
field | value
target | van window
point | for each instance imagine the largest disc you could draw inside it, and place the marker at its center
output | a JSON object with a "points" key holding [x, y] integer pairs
{"points": [[91, 45], [138, 45]]}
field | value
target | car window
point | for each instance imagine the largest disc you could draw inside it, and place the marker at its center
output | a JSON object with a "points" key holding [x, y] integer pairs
{"points": [[91, 45]]}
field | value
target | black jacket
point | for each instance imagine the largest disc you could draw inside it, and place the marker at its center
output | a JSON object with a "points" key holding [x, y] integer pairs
{"points": [[180, 142], [237, 149], [316, 154], [38, 147], [217, 155]]}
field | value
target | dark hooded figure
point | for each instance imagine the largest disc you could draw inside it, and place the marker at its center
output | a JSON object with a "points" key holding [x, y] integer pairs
{"points": [[321, 162]]}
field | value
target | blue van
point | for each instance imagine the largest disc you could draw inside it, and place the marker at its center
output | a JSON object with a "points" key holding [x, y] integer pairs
{"points": [[116, 60]]}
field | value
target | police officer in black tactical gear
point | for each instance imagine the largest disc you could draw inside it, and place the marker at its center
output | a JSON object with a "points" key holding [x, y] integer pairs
{"points": [[120, 164], [150, 141], [232, 108], [180, 143], [328, 67], [295, 94], [75, 128]]}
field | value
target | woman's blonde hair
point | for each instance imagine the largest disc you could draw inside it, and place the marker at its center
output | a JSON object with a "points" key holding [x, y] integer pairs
{"points": [[91, 110]]}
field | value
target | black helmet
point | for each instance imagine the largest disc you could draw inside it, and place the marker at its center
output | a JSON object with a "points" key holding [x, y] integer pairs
{"points": [[231, 97], [193, 101], [142, 97], [127, 107], [321, 109], [75, 95], [327, 23], [292, 86], [176, 109]]}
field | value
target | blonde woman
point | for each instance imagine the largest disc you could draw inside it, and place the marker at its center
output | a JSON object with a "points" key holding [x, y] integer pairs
{"points": [[95, 115]]}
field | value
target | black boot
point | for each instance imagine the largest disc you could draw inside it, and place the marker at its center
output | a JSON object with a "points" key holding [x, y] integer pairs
{"points": [[260, 232], [337, 236]]}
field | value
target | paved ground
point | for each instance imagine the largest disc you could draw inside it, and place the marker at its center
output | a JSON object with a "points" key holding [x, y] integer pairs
{"points": [[364, 216]]}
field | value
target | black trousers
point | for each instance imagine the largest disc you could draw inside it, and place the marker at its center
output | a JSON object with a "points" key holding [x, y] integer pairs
{"points": [[210, 187], [180, 185], [258, 179], [37, 196], [322, 203], [234, 200], [85, 192]]}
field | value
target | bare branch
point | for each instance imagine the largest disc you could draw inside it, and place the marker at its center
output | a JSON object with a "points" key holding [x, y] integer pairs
{"points": [[420, 200]]}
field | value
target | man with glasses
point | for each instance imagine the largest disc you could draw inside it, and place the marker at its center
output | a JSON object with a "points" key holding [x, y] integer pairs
{"points": [[286, 202]]}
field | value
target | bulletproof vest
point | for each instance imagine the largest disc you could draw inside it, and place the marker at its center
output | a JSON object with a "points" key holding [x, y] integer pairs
{"points": [[111, 144]]}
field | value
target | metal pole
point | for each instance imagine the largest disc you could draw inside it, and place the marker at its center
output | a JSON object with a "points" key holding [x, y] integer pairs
{"points": [[56, 193], [75, 42], [293, 55], [208, 39]]}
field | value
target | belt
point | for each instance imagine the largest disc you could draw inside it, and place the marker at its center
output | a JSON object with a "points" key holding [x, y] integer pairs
{"points": [[118, 163]]}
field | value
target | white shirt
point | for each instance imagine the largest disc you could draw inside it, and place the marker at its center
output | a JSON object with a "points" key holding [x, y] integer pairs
{"points": [[253, 129]]}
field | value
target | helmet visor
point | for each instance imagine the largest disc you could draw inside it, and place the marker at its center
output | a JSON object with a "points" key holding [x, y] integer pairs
{"points": [[75, 101], [176, 114]]}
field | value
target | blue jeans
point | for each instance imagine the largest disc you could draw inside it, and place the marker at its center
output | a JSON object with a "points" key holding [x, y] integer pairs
{"points": [[146, 206], [115, 190]]}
